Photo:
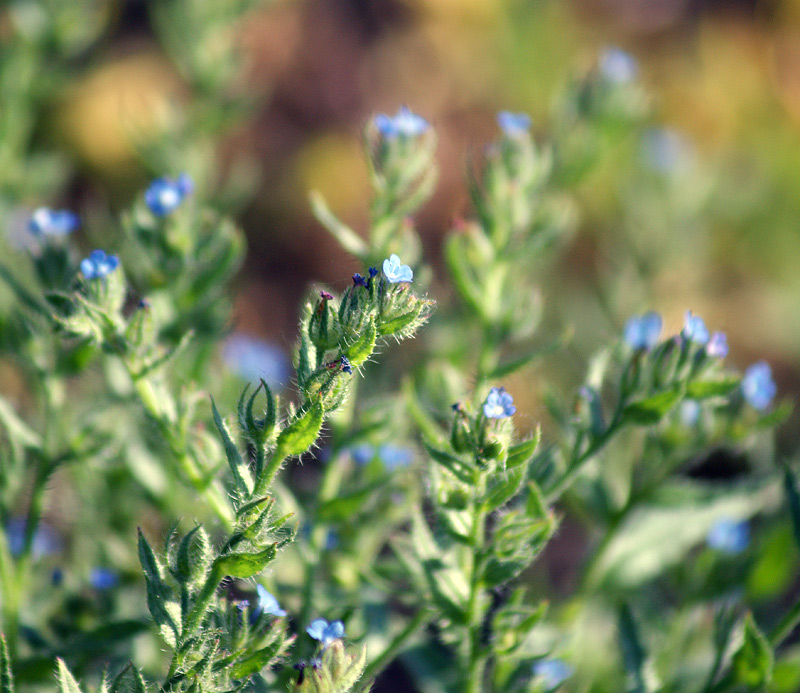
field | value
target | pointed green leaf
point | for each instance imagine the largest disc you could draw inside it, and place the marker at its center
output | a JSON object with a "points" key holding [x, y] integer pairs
{"points": [[524, 451], [633, 653], [712, 388], [348, 239], [245, 565], [651, 409], [129, 680], [753, 661], [241, 474], [455, 465], [6, 677], [362, 348], [66, 681]]}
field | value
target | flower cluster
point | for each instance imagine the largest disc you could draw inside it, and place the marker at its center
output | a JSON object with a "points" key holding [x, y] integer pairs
{"points": [[98, 264], [514, 124], [166, 194], [405, 124], [53, 222]]}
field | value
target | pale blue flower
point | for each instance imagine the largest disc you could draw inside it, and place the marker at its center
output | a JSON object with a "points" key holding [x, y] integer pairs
{"points": [[758, 387], [98, 264], [45, 540], [689, 412], [729, 536], [166, 194], [666, 150], [325, 632], [395, 272], [252, 359], [103, 578], [514, 124], [718, 345], [551, 673], [694, 329], [405, 124], [53, 222], [643, 331], [362, 454], [394, 456], [499, 404], [618, 66], [267, 604]]}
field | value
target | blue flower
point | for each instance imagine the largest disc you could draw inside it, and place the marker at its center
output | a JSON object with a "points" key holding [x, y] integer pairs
{"points": [[618, 66], [552, 672], [358, 280], [345, 364], [694, 329], [45, 540], [729, 536], [499, 404], [689, 412], [362, 454], [514, 124], [325, 632], [642, 331], [758, 387], [98, 264], [394, 456], [405, 124], [103, 578], [267, 604], [252, 359], [395, 272], [666, 150], [717, 345], [166, 194], [53, 222]]}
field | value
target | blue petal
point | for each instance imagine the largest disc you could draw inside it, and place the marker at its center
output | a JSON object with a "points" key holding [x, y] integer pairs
{"points": [[317, 629]]}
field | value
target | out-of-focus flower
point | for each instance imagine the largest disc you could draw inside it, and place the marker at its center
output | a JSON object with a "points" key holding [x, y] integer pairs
{"points": [[667, 150], [166, 194], [395, 271], [404, 124], [642, 331], [98, 264], [394, 456], [325, 632], [689, 412], [53, 222], [694, 329], [551, 673], [718, 345], [729, 536], [758, 387], [499, 404], [267, 604], [103, 578], [252, 359], [45, 540], [514, 124], [618, 66]]}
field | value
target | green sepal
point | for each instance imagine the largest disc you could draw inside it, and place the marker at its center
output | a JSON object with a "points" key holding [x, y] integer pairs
{"points": [[245, 565], [753, 661], [241, 474], [301, 434], [651, 410], [6, 676], [358, 352], [66, 681]]}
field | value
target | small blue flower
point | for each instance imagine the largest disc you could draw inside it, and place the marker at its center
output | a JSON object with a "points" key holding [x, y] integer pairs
{"points": [[405, 124], [642, 331], [362, 454], [373, 272], [166, 194], [718, 345], [694, 329], [514, 124], [103, 578], [395, 272], [251, 359], [729, 536], [358, 280], [499, 404], [758, 387], [618, 66], [53, 222], [267, 604], [552, 673], [346, 367], [394, 456], [689, 412], [325, 632], [98, 264]]}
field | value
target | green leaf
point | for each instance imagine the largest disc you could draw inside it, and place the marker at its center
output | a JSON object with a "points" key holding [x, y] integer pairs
{"points": [[129, 680], [257, 661], [711, 388], [19, 432], [194, 556], [634, 655], [6, 677], [301, 434], [241, 474], [348, 239], [348, 505], [651, 409], [161, 601], [362, 348], [455, 465], [524, 451], [245, 565], [463, 276], [397, 324], [66, 682], [776, 417], [753, 661]]}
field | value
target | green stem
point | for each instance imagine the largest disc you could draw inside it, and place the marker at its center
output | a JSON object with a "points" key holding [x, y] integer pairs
{"points": [[476, 653], [787, 624]]}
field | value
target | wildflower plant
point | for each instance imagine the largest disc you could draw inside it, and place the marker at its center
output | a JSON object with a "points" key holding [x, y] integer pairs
{"points": [[414, 538]]}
